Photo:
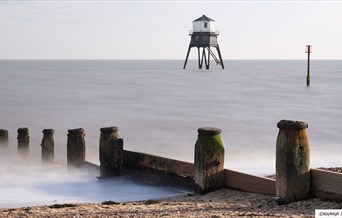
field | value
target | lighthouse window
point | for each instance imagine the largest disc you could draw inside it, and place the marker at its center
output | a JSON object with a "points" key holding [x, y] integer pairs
{"points": [[205, 25]]}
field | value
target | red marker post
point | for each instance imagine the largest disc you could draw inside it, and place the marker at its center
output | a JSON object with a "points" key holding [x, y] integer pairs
{"points": [[308, 50]]}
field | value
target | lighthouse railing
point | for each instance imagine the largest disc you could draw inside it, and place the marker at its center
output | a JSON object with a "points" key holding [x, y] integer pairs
{"points": [[217, 32]]}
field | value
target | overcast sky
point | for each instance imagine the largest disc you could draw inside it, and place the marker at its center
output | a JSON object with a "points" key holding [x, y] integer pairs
{"points": [[276, 29]]}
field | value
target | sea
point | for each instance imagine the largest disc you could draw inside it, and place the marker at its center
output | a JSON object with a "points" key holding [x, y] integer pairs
{"points": [[158, 107]]}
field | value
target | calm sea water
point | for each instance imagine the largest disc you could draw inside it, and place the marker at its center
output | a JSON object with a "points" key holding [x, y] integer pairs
{"points": [[158, 106]]}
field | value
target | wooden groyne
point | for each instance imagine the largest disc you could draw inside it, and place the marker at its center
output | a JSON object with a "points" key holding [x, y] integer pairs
{"points": [[292, 161], [3, 137], [23, 140], [111, 152], [76, 147], [48, 145], [295, 180]]}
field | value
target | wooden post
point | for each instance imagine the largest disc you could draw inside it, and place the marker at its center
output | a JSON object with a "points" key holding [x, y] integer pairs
{"points": [[292, 161], [23, 140], [48, 145], [308, 50], [209, 160], [3, 137], [76, 147], [111, 152]]}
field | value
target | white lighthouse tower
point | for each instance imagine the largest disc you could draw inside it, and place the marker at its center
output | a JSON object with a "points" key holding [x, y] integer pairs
{"points": [[204, 36]]}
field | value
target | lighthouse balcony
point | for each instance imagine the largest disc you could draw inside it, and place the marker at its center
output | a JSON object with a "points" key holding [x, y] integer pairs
{"points": [[203, 40], [191, 32]]}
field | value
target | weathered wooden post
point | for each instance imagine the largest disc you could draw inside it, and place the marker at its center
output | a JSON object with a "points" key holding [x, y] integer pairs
{"points": [[48, 145], [111, 152], [23, 140], [3, 137], [76, 147], [209, 160], [292, 161]]}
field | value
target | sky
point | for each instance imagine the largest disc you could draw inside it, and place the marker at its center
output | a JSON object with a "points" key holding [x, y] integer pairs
{"points": [[135, 29]]}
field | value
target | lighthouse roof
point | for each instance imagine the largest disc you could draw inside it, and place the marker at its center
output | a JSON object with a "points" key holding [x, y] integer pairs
{"points": [[204, 18]]}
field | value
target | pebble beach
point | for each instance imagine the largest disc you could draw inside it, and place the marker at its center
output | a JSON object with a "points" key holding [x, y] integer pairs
{"points": [[221, 203]]}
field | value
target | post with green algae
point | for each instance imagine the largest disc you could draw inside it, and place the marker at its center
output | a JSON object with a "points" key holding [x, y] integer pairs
{"points": [[3, 137], [23, 140], [111, 152], [209, 160], [48, 145], [292, 161], [76, 147]]}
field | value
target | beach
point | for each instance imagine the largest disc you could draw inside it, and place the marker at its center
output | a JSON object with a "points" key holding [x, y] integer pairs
{"points": [[221, 203]]}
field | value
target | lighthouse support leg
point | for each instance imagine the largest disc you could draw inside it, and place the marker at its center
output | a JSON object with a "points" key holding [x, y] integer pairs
{"points": [[187, 56], [207, 64], [219, 53], [203, 57], [199, 58]]}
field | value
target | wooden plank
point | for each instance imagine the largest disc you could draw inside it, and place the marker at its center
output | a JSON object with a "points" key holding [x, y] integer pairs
{"points": [[250, 183], [326, 181], [136, 160], [233, 179], [152, 176], [326, 195], [90, 165]]}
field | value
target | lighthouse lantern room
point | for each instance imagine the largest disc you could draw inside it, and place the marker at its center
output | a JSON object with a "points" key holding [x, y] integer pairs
{"points": [[204, 36], [203, 24]]}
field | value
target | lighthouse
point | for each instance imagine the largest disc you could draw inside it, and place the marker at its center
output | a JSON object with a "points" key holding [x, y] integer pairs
{"points": [[204, 37]]}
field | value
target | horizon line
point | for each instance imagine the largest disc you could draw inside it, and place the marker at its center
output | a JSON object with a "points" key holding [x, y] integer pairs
{"points": [[151, 59]]}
